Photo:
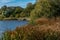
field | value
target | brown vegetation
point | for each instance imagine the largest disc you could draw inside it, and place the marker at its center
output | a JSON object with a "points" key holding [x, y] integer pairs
{"points": [[46, 31]]}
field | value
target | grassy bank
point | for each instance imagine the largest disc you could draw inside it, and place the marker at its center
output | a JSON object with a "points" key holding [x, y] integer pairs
{"points": [[44, 29]]}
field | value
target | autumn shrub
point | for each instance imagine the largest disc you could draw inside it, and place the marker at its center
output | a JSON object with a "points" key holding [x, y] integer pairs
{"points": [[35, 32]]}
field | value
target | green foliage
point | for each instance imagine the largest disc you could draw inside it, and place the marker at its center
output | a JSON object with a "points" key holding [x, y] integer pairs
{"points": [[28, 9], [22, 14], [6, 36], [4, 8], [17, 11], [32, 22], [42, 8], [8, 11], [46, 8]]}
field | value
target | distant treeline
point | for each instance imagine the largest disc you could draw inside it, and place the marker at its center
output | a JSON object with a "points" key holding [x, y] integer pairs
{"points": [[16, 11], [41, 8]]}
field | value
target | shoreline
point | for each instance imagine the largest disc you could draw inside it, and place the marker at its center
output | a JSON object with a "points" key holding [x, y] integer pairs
{"points": [[23, 19]]}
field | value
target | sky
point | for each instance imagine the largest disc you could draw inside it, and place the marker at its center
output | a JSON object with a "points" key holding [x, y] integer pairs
{"points": [[21, 3]]}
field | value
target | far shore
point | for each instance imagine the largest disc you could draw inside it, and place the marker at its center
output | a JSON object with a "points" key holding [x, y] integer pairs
{"points": [[23, 19]]}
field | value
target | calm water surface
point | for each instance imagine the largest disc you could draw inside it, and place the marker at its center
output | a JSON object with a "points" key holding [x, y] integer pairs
{"points": [[11, 24]]}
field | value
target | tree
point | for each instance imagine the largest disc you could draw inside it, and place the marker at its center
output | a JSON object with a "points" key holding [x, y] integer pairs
{"points": [[46, 8], [22, 14], [17, 11], [8, 11], [4, 8], [28, 9]]}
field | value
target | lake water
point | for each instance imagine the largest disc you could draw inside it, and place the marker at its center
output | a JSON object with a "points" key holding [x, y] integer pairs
{"points": [[11, 24]]}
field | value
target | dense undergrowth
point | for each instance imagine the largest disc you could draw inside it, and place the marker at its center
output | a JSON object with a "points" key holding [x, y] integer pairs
{"points": [[44, 29]]}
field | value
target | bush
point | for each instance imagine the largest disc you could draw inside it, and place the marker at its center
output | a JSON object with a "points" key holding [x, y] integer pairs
{"points": [[46, 8], [34, 32]]}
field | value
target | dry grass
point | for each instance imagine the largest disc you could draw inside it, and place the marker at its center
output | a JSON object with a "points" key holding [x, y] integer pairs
{"points": [[50, 30]]}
